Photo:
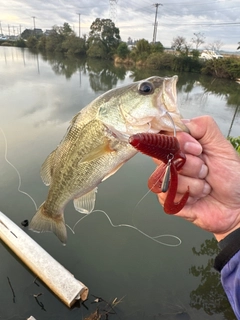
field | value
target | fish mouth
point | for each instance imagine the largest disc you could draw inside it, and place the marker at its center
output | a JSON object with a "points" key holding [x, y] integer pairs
{"points": [[166, 116], [169, 117], [167, 96], [169, 93], [156, 112]]}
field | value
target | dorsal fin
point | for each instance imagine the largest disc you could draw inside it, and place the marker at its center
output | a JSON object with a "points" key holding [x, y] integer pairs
{"points": [[47, 168]]}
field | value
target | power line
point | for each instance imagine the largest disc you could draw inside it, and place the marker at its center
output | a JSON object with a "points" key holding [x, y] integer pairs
{"points": [[202, 24], [193, 3]]}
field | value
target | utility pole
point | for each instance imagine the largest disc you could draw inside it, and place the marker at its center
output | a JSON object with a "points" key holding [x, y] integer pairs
{"points": [[34, 25], [9, 30], [1, 29], [33, 22], [155, 23], [79, 25]]}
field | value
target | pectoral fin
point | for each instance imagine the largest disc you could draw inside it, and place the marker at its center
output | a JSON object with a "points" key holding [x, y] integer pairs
{"points": [[47, 168], [97, 152], [85, 204]]}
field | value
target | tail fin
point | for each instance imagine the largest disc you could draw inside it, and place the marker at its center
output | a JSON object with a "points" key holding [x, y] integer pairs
{"points": [[42, 222]]}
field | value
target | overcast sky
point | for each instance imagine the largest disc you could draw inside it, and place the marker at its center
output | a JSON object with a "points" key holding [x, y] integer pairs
{"points": [[218, 20]]}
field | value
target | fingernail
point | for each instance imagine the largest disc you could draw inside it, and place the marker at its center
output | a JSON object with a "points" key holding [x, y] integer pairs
{"points": [[203, 172], [193, 148], [206, 189]]}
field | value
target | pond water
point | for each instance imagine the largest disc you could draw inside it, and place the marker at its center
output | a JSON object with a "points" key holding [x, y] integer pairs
{"points": [[38, 97]]}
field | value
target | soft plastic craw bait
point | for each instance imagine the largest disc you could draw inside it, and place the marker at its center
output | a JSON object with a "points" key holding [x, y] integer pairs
{"points": [[165, 177]]}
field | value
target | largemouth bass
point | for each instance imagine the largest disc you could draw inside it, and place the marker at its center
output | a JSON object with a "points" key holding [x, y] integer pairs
{"points": [[96, 146]]}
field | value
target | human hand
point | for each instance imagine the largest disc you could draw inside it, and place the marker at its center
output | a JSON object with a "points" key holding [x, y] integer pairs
{"points": [[212, 172]]}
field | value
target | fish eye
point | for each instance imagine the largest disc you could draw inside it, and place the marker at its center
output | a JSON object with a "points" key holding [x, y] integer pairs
{"points": [[145, 88]]}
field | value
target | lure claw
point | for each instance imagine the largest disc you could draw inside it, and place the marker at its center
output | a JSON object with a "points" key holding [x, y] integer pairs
{"points": [[165, 177]]}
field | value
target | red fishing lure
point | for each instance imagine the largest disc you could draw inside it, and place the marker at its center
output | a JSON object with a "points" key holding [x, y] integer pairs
{"points": [[165, 177]]}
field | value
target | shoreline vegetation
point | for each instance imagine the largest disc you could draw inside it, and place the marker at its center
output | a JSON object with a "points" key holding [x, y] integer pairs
{"points": [[104, 42]]}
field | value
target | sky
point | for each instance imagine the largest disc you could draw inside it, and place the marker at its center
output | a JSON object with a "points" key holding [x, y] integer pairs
{"points": [[216, 20]]}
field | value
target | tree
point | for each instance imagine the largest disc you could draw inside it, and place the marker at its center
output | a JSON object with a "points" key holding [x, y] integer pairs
{"points": [[209, 294], [58, 35], [20, 43], [74, 45], [195, 53], [215, 45], [123, 50], [156, 47], [54, 40], [142, 46], [65, 30], [42, 43], [180, 44], [103, 32], [97, 49], [130, 41], [198, 39], [32, 42], [141, 50]]}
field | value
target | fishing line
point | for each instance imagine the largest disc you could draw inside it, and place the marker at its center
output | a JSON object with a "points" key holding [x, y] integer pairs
{"points": [[153, 238], [16, 170], [173, 124], [143, 197]]}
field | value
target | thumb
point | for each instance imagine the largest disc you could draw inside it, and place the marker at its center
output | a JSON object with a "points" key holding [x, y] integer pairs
{"points": [[206, 131]]}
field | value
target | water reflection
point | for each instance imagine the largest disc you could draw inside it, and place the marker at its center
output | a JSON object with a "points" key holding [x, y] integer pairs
{"points": [[143, 73], [62, 65], [209, 295], [104, 76], [39, 96]]}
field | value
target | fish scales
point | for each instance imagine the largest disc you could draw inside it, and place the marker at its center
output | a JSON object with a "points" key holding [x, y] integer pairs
{"points": [[96, 145], [75, 170]]}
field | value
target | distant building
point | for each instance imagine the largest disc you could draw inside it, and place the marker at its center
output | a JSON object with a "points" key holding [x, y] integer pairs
{"points": [[37, 32], [48, 32], [130, 46], [31, 32], [13, 38], [209, 55], [2, 37]]}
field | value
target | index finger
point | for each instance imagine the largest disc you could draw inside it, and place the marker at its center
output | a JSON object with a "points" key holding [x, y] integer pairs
{"points": [[187, 144]]}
